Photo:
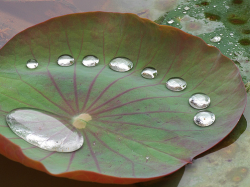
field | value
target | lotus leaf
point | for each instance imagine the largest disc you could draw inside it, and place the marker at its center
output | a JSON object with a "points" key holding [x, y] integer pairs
{"points": [[139, 130]]}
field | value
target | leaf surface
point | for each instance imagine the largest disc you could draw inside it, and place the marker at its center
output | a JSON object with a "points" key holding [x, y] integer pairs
{"points": [[139, 129]]}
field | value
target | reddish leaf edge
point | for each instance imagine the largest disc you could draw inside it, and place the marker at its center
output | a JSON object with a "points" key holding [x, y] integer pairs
{"points": [[14, 152]]}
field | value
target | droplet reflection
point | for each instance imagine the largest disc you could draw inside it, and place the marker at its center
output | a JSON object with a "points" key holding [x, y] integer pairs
{"points": [[204, 118], [149, 73], [90, 61], [199, 101], [32, 64], [65, 60], [44, 130], [176, 84], [121, 64]]}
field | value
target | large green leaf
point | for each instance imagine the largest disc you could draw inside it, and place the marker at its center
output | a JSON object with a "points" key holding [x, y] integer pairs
{"points": [[229, 19], [139, 129]]}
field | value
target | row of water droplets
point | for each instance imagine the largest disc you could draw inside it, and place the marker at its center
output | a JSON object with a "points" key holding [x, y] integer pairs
{"points": [[21, 121]]}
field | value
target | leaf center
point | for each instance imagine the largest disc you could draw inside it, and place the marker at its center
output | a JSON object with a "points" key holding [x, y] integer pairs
{"points": [[81, 121]]}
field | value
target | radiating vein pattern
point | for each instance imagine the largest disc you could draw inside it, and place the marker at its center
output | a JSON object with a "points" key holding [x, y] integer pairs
{"points": [[135, 127]]}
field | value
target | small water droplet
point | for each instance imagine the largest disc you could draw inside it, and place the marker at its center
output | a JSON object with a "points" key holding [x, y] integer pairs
{"points": [[176, 84], [121, 64], [179, 8], [54, 134], [170, 21], [65, 60], [32, 64], [90, 61], [199, 101], [231, 34], [186, 8], [184, 12], [215, 39], [204, 118], [149, 73]]}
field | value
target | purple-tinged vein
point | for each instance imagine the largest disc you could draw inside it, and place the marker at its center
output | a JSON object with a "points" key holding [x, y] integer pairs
{"points": [[141, 125], [208, 73], [70, 160], [54, 83], [128, 138], [59, 91], [130, 102], [29, 148], [135, 113], [94, 80], [74, 77], [46, 156], [106, 146], [17, 100], [14, 138], [4, 111], [98, 107], [115, 80], [90, 88], [40, 92], [36, 89], [92, 152], [234, 91], [130, 88]]}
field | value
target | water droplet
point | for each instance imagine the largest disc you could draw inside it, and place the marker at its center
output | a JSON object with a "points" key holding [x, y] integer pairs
{"points": [[32, 64], [90, 61], [199, 101], [65, 60], [149, 73], [44, 130], [204, 118], [184, 12], [186, 8], [121, 64], [170, 21], [231, 34], [215, 39], [176, 84]]}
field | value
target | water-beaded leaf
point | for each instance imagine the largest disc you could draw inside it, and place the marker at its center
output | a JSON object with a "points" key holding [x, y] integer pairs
{"points": [[134, 129]]}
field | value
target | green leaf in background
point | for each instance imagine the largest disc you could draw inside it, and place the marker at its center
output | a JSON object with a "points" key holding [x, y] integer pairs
{"points": [[139, 130], [229, 19]]}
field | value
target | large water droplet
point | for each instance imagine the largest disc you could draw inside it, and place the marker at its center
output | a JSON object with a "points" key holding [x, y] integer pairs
{"points": [[32, 64], [44, 130], [199, 101], [215, 39], [90, 61], [204, 118], [65, 60], [121, 64], [176, 84], [149, 73]]}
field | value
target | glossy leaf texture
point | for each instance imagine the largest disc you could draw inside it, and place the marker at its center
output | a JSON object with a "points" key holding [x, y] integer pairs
{"points": [[139, 130]]}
